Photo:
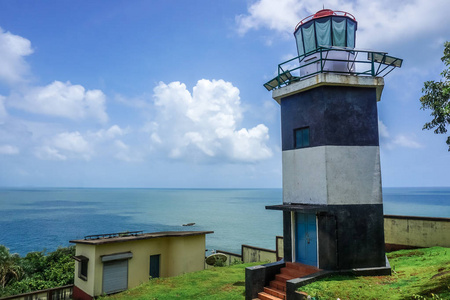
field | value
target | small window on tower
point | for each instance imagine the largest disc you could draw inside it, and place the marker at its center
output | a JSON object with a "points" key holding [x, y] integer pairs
{"points": [[301, 137]]}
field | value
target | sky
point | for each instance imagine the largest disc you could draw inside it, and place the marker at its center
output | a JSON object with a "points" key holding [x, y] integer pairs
{"points": [[169, 94]]}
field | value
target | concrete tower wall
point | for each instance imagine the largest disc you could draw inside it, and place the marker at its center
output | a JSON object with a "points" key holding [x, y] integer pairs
{"points": [[336, 176], [336, 115], [342, 165]]}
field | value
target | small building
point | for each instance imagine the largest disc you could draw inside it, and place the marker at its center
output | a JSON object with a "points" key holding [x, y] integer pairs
{"points": [[112, 263]]}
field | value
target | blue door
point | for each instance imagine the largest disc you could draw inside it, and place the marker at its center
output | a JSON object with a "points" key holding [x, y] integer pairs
{"points": [[306, 239]]}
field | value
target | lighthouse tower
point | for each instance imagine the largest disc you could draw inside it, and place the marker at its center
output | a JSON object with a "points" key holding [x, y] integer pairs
{"points": [[332, 201]]}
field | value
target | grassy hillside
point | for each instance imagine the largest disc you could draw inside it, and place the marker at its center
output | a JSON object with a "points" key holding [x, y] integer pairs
{"points": [[418, 274], [219, 283]]}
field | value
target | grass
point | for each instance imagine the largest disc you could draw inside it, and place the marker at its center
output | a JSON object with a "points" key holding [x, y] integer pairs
{"points": [[417, 274], [225, 283]]}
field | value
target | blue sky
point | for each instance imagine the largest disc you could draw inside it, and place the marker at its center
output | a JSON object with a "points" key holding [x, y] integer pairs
{"points": [[169, 93]]}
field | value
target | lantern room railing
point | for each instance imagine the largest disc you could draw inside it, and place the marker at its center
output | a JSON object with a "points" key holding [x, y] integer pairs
{"points": [[358, 63]]}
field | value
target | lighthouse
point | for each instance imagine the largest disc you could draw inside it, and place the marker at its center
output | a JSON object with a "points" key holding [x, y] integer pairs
{"points": [[332, 196]]}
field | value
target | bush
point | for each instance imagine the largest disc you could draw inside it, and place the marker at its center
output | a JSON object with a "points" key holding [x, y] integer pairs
{"points": [[37, 270]]}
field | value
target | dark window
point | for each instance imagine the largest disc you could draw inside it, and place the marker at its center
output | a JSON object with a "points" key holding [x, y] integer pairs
{"points": [[83, 269], [301, 137]]}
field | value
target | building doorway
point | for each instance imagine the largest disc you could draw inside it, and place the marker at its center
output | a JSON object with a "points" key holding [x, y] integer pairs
{"points": [[306, 239], [154, 265]]}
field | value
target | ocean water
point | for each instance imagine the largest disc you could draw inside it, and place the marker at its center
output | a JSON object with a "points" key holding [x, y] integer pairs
{"points": [[35, 219]]}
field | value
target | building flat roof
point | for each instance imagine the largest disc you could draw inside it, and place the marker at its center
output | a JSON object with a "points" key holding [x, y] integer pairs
{"points": [[299, 207], [142, 236]]}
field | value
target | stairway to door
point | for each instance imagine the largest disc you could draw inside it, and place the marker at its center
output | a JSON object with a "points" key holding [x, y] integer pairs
{"points": [[277, 287]]}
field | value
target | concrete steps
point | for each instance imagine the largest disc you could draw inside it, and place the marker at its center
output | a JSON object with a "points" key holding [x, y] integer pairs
{"points": [[277, 288]]}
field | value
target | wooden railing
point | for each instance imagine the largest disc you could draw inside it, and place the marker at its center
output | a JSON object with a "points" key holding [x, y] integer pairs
{"points": [[59, 293]]}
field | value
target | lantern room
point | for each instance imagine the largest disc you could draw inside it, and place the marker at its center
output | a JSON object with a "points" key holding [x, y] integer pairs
{"points": [[326, 28]]}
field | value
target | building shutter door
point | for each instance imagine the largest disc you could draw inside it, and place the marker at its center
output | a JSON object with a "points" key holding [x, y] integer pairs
{"points": [[115, 276]]}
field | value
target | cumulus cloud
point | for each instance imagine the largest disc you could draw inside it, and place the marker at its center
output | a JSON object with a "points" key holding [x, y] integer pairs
{"points": [[280, 15], [111, 133], [382, 130], [8, 150], [63, 100], [3, 112], [13, 49], [125, 153], [406, 142], [400, 140], [48, 153], [378, 21], [204, 125], [65, 145]]}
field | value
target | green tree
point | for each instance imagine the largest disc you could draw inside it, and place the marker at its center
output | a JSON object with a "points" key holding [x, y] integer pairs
{"points": [[436, 96], [9, 266], [36, 271]]}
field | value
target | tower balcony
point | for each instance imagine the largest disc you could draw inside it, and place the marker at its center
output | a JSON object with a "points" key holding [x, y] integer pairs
{"points": [[335, 60]]}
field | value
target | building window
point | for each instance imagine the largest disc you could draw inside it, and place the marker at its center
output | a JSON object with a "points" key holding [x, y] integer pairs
{"points": [[301, 137], [83, 269], [82, 266]]}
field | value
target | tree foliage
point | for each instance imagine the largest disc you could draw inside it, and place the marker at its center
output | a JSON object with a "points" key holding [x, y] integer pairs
{"points": [[436, 96], [36, 271], [9, 266]]}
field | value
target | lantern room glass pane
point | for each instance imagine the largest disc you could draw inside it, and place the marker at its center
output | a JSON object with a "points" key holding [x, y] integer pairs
{"points": [[339, 32], [351, 27], [309, 37], [323, 29], [298, 38]]}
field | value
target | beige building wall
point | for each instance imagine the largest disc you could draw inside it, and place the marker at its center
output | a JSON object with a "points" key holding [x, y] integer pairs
{"points": [[187, 254], [89, 252], [279, 246], [417, 231], [179, 255], [255, 254]]}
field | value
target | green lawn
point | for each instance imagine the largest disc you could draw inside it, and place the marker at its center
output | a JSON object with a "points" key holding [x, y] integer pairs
{"points": [[418, 274], [214, 284]]}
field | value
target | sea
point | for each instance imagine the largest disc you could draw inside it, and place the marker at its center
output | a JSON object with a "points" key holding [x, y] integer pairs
{"points": [[43, 219]]}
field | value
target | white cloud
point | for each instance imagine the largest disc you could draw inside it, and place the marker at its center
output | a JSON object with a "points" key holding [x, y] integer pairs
{"points": [[9, 150], [65, 145], [406, 142], [204, 125], [3, 113], [380, 22], [111, 133], [382, 130], [124, 153], [13, 49], [400, 140], [48, 153], [281, 16], [63, 100]]}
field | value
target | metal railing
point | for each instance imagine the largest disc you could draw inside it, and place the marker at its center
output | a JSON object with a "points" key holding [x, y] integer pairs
{"points": [[359, 63], [111, 235]]}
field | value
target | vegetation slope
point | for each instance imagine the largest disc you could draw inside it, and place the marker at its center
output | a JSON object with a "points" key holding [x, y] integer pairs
{"points": [[417, 274]]}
